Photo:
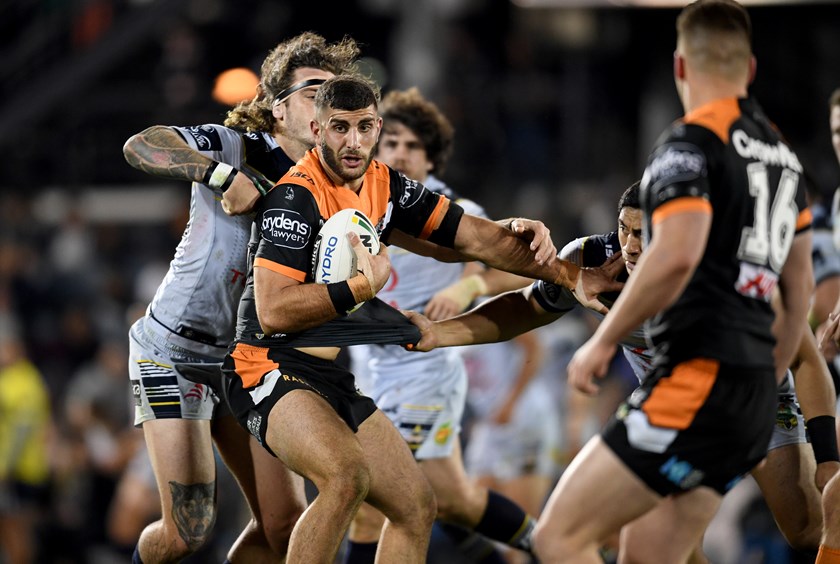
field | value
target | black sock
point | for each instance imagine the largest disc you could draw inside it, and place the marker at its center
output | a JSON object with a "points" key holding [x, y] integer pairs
{"points": [[506, 522], [135, 558], [472, 546], [360, 552]]}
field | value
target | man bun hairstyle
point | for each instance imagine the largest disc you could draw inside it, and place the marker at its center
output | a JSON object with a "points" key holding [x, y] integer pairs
{"points": [[307, 50], [424, 119]]}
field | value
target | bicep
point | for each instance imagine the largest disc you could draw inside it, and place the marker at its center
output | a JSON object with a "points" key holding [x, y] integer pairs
{"points": [[424, 248]]}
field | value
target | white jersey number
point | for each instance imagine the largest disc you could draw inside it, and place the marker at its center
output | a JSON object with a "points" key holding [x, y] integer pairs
{"points": [[768, 241]]}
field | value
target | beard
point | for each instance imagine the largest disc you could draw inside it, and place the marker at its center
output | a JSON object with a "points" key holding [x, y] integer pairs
{"points": [[334, 162]]}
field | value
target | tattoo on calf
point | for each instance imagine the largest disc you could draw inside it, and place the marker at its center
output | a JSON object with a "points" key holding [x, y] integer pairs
{"points": [[194, 511]]}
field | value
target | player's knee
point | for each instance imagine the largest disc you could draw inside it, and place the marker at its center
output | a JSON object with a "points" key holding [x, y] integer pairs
{"points": [[350, 483], [452, 510], [549, 546]]}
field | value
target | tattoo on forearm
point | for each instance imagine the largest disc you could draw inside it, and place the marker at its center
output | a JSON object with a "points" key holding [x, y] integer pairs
{"points": [[160, 151], [194, 511]]}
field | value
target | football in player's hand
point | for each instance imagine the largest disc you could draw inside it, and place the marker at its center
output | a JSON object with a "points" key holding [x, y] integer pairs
{"points": [[333, 257]]}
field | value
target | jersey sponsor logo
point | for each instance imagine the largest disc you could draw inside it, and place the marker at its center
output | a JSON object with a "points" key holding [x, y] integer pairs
{"points": [[756, 281], [775, 155], [674, 163], [330, 246], [304, 176], [285, 228], [253, 135], [412, 191], [206, 138]]}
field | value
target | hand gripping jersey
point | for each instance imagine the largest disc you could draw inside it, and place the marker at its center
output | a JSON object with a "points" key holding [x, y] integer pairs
{"points": [[592, 251], [288, 221], [726, 158], [199, 295], [414, 280]]}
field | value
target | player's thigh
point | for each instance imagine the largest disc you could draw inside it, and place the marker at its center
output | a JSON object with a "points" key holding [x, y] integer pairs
{"points": [[786, 480], [596, 478], [180, 450], [671, 531], [271, 489], [396, 482], [306, 433]]}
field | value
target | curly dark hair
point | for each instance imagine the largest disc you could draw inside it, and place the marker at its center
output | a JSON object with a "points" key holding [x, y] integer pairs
{"points": [[424, 119], [277, 72]]}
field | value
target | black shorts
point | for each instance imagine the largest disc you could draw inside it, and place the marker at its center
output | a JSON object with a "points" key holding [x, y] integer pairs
{"points": [[257, 377], [697, 423]]}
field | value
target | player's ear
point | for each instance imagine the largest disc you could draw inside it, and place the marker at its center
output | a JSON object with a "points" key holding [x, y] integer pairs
{"points": [[679, 66], [279, 111], [753, 67]]}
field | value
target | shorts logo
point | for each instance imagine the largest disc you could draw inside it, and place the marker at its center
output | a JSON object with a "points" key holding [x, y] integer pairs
{"points": [[285, 228], [206, 138], [195, 395], [412, 191], [785, 417], [443, 434], [681, 473], [135, 392], [254, 424]]}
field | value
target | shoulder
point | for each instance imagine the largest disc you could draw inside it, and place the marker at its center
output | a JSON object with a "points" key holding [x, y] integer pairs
{"points": [[591, 250], [209, 137], [437, 186]]}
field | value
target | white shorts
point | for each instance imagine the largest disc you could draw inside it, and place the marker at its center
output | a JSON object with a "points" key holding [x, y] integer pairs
{"points": [[790, 425], [529, 444], [159, 392], [425, 401]]}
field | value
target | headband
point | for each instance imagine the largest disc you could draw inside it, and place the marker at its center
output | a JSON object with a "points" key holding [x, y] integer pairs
{"points": [[283, 94]]}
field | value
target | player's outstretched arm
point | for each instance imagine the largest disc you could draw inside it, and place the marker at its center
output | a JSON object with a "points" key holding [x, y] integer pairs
{"points": [[160, 151], [500, 319], [501, 248]]}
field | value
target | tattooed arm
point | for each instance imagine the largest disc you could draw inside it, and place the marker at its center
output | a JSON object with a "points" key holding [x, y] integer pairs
{"points": [[161, 151]]}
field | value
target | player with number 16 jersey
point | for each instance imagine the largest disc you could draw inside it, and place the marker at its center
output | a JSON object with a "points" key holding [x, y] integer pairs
{"points": [[713, 373], [728, 158]]}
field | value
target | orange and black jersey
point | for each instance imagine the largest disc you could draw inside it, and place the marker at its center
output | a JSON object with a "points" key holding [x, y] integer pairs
{"points": [[287, 222], [728, 160]]}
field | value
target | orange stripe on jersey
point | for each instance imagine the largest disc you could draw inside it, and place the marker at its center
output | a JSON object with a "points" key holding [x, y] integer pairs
{"points": [[686, 204], [676, 399], [717, 116], [435, 217], [251, 364], [804, 220], [292, 273], [827, 555]]}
